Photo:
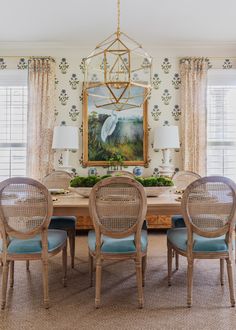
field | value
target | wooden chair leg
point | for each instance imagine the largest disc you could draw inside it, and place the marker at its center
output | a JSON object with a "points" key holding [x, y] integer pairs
{"points": [[138, 265], [190, 282], [91, 269], [169, 258], [27, 265], [4, 283], [176, 261], [98, 282], [144, 267], [64, 265], [231, 281], [222, 263], [45, 283], [11, 274], [71, 235]]}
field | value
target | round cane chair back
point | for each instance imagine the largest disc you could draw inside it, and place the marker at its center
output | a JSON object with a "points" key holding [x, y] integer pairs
{"points": [[118, 206], [182, 179], [25, 207], [209, 206], [57, 180]]}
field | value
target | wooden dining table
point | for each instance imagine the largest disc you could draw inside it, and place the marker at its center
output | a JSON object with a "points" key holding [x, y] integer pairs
{"points": [[74, 204]]}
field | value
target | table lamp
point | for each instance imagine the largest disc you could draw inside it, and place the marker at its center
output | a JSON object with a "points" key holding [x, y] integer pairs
{"points": [[65, 138], [166, 138]]}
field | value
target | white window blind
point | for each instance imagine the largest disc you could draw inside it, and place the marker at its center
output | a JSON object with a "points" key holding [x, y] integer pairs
{"points": [[221, 123], [13, 123]]}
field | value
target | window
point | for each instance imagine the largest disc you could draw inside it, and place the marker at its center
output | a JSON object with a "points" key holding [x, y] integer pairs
{"points": [[13, 123], [221, 123]]}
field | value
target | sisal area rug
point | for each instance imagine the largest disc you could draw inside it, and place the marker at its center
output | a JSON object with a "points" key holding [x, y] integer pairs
{"points": [[73, 307]]}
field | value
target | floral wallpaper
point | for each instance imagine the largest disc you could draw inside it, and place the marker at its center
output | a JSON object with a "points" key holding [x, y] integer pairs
{"points": [[163, 105]]}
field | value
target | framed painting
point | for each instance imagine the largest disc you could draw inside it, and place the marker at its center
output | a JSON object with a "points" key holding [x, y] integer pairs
{"points": [[107, 133]]}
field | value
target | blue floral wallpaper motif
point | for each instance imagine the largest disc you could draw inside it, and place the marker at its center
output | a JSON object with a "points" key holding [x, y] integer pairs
{"points": [[176, 112], [74, 113], [156, 81], [227, 64], [176, 81], [23, 64], [63, 97], [74, 81], [209, 63], [166, 66], [82, 65], [166, 97], [2, 64], [63, 66], [156, 112]]}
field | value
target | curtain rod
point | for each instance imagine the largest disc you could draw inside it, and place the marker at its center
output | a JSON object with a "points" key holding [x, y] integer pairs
{"points": [[180, 57], [210, 57], [28, 57], [41, 57]]}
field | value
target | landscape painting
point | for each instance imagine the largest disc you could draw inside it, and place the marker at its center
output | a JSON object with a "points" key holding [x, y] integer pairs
{"points": [[109, 134]]}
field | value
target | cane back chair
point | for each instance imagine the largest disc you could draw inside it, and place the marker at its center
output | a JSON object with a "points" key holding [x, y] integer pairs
{"points": [[61, 180], [25, 212], [181, 181], [118, 207], [208, 207]]}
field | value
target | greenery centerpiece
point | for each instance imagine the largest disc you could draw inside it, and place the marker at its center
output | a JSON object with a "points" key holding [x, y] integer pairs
{"points": [[86, 181], [154, 186]]}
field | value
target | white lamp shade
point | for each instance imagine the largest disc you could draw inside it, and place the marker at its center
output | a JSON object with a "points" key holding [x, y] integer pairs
{"points": [[166, 137], [65, 137]]}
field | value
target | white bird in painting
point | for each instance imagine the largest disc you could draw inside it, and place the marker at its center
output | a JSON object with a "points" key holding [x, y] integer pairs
{"points": [[109, 126]]}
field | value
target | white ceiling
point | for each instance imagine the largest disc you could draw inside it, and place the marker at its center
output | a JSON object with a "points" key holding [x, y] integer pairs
{"points": [[87, 22]]}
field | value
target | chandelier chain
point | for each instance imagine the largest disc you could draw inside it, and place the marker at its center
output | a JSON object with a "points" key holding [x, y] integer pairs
{"points": [[118, 17]]}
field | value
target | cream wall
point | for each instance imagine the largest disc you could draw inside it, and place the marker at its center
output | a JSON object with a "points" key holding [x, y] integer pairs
{"points": [[163, 108]]}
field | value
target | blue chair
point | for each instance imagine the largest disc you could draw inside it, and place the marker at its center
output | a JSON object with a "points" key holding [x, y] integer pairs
{"points": [[209, 207], [181, 180], [61, 180], [26, 208], [118, 207]]}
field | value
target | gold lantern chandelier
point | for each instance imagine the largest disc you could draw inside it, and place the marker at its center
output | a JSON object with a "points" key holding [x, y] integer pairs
{"points": [[118, 72]]}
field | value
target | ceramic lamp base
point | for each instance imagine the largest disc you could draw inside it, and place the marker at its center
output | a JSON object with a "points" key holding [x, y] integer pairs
{"points": [[166, 169]]}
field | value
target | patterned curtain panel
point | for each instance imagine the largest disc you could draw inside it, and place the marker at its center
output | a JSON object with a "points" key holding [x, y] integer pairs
{"points": [[193, 72], [40, 117]]}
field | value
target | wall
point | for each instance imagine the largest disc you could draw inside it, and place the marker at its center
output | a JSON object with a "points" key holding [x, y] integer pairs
{"points": [[163, 108]]}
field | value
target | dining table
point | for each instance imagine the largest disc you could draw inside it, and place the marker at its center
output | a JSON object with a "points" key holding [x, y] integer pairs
{"points": [[74, 204]]}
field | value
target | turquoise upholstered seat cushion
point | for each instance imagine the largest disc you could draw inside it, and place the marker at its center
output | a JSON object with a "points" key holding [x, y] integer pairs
{"points": [[177, 221], [34, 245], [117, 245], [62, 222], [178, 237]]}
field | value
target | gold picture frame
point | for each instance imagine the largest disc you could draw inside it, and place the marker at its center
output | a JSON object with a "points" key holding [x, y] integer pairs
{"points": [[97, 145]]}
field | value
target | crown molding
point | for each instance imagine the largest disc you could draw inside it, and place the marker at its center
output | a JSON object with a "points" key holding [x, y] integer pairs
{"points": [[6, 48]]}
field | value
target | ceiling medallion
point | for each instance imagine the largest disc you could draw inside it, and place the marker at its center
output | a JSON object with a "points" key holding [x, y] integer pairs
{"points": [[118, 72]]}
